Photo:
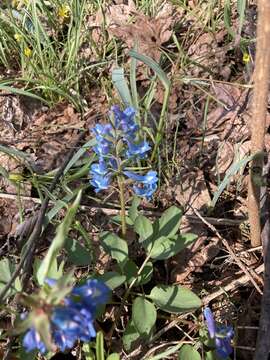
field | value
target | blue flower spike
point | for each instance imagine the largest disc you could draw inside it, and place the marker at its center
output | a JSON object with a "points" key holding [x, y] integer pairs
{"points": [[73, 319], [119, 145], [221, 334]]}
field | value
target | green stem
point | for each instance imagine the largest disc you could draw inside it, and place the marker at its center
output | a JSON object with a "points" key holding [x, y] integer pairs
{"points": [[122, 204], [161, 123], [118, 314]]}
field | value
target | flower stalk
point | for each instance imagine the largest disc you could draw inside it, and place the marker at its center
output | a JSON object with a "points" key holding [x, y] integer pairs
{"points": [[121, 186]]}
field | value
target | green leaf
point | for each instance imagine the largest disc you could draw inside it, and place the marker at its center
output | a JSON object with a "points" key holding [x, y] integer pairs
{"points": [[77, 254], [210, 355], [144, 315], [6, 271], [233, 170], [153, 65], [174, 298], [131, 336], [100, 346], [133, 210], [112, 279], [164, 248], [241, 7], [118, 220], [88, 352], [55, 271], [227, 18], [115, 246], [113, 356], [41, 323], [59, 240], [120, 83], [143, 228], [187, 352], [131, 270], [169, 222]]}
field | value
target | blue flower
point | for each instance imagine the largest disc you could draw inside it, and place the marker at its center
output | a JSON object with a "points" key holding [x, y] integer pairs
{"points": [[221, 334], [118, 145], [125, 120], [146, 190], [73, 319], [101, 177], [32, 341], [103, 135], [92, 293], [139, 150], [72, 323], [147, 184], [149, 178]]}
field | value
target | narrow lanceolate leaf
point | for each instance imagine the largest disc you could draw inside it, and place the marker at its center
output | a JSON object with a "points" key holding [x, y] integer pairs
{"points": [[233, 170], [153, 65], [120, 83], [59, 240], [144, 315], [174, 298]]}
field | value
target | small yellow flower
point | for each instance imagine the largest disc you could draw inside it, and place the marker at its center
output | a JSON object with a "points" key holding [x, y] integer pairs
{"points": [[18, 37], [27, 52], [19, 3], [63, 12], [15, 177], [246, 58]]}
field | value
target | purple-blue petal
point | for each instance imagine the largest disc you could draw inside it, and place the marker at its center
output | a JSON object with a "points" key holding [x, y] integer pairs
{"points": [[210, 322], [32, 341]]}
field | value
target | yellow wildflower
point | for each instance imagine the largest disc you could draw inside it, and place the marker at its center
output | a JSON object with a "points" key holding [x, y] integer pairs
{"points": [[18, 37], [19, 3], [27, 52], [246, 58], [15, 177], [63, 12]]}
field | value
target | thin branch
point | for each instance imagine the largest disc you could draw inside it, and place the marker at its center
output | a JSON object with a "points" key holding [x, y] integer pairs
{"points": [[259, 107]]}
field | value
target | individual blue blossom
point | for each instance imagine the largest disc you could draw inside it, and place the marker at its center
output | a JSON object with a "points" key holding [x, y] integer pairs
{"points": [[149, 178], [145, 185], [125, 120], [92, 293], [103, 133], [140, 150], [101, 177], [145, 190], [221, 334], [72, 323], [32, 341]]}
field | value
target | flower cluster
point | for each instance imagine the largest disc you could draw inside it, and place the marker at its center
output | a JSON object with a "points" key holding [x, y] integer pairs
{"points": [[118, 145], [72, 320], [221, 334]]}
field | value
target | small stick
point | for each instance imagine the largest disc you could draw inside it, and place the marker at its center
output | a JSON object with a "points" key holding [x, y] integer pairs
{"points": [[236, 259], [259, 107], [231, 286]]}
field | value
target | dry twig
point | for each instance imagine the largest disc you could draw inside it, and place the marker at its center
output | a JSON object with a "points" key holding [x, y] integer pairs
{"points": [[230, 251], [261, 84]]}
